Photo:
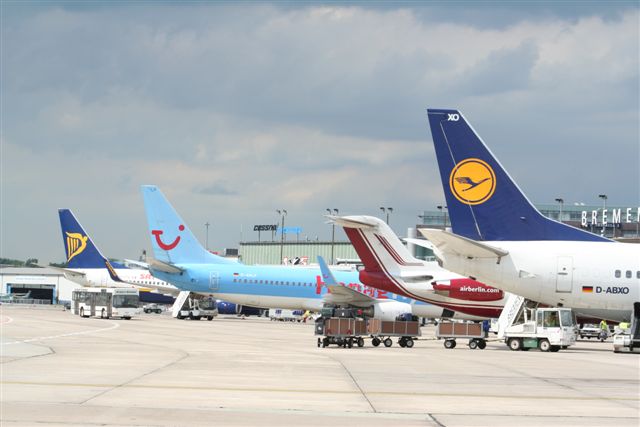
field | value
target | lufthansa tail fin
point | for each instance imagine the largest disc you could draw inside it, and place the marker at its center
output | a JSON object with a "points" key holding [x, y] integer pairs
{"points": [[172, 241], [484, 203]]}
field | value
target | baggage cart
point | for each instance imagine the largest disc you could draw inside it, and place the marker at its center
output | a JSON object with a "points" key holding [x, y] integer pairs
{"points": [[450, 331], [381, 331], [343, 332]]}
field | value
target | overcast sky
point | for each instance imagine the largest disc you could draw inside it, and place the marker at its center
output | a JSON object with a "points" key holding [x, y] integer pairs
{"points": [[236, 110]]}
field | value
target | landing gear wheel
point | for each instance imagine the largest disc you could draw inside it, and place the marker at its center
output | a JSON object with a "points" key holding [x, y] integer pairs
{"points": [[544, 345], [375, 342], [388, 342], [473, 344], [360, 342], [449, 344], [482, 344], [514, 344], [409, 342]]}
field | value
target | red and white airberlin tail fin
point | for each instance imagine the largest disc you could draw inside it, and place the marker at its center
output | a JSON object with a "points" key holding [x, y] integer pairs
{"points": [[378, 246]]}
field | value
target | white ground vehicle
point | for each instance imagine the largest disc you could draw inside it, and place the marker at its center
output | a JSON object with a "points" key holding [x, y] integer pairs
{"points": [[190, 306], [548, 329], [105, 302], [629, 339], [152, 308], [285, 315], [590, 331]]}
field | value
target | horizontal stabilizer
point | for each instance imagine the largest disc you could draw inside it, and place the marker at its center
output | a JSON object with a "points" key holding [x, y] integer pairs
{"points": [[155, 264], [137, 263], [352, 221], [419, 242], [74, 276], [452, 243]]}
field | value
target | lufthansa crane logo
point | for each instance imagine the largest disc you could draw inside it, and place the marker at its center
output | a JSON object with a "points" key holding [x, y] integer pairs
{"points": [[76, 243], [165, 246], [472, 181]]}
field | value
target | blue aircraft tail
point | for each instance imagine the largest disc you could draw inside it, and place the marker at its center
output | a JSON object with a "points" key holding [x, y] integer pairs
{"points": [[80, 250], [171, 239], [484, 203]]}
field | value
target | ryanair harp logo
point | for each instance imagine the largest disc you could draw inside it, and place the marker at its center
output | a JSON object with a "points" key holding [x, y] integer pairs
{"points": [[472, 181], [76, 243]]}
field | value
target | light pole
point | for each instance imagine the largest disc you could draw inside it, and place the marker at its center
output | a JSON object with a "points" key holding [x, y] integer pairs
{"points": [[443, 209], [333, 232], [206, 225], [387, 211], [282, 212], [604, 207], [561, 201]]}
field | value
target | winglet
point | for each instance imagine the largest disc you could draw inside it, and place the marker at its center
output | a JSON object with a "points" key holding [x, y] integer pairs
{"points": [[327, 275]]}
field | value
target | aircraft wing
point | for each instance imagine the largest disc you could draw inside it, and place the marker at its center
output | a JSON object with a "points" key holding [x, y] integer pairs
{"points": [[344, 294], [452, 243], [339, 293]]}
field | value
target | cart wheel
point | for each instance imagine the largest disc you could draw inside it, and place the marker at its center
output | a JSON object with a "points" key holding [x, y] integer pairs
{"points": [[402, 343], [375, 342], [388, 342], [319, 342], [544, 345], [555, 348], [360, 342], [325, 342], [473, 344], [350, 342], [209, 318], [482, 344], [449, 344], [514, 344], [409, 342]]}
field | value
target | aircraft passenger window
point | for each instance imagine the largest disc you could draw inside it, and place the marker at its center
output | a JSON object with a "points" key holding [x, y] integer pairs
{"points": [[628, 274], [618, 274]]}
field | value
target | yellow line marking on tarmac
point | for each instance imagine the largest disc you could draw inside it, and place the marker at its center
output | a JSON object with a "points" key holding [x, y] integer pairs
{"points": [[315, 391]]}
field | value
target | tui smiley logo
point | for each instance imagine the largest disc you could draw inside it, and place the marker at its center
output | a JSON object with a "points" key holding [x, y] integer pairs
{"points": [[166, 247]]}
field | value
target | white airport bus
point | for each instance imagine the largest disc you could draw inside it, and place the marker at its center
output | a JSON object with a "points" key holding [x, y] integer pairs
{"points": [[105, 302]]}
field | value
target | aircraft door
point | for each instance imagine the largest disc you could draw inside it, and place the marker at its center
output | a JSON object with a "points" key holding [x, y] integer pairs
{"points": [[564, 274], [214, 281]]}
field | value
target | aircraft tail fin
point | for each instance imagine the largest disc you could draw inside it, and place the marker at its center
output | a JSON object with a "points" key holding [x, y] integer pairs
{"points": [[171, 239], [80, 250], [376, 244], [484, 202]]}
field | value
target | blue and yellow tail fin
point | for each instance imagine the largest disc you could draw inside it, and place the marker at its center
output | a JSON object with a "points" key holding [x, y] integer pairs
{"points": [[80, 250], [171, 239], [483, 201]]}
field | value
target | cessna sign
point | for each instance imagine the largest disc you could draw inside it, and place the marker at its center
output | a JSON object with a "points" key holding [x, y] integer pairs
{"points": [[268, 227]]}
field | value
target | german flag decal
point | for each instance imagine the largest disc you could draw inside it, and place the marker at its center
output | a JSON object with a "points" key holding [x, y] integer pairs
{"points": [[588, 289]]}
